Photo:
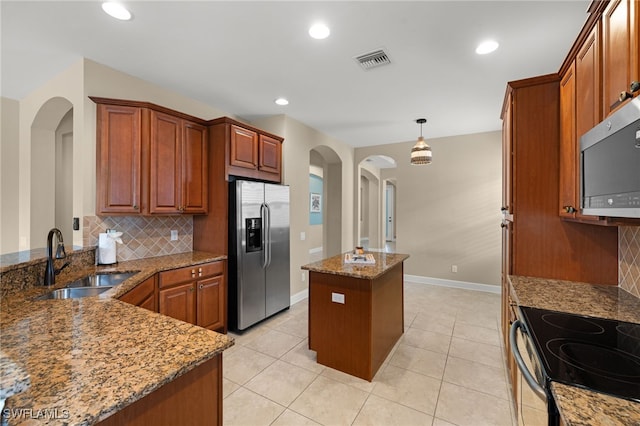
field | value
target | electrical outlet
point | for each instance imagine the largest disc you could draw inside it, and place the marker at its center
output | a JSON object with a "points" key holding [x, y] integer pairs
{"points": [[174, 235], [304, 277], [454, 268], [303, 236]]}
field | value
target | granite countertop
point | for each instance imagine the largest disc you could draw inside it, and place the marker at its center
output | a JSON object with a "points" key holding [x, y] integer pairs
{"points": [[88, 358], [335, 265], [577, 406]]}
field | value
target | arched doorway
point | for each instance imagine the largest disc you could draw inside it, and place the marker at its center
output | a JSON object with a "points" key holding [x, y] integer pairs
{"points": [[325, 186], [51, 190], [376, 203]]}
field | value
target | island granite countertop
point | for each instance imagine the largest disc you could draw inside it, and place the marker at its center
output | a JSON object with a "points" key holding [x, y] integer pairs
{"points": [[577, 406], [89, 358], [335, 265]]}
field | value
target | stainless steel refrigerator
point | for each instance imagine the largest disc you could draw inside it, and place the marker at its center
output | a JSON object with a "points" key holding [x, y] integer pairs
{"points": [[259, 282]]}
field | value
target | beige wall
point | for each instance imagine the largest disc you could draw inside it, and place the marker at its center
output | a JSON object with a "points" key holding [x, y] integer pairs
{"points": [[448, 212], [9, 175], [299, 140]]}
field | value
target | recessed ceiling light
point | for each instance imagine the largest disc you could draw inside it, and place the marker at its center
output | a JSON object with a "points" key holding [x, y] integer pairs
{"points": [[319, 31], [116, 10], [281, 101], [487, 46]]}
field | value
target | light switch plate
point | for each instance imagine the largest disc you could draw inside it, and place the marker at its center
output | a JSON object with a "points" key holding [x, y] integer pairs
{"points": [[337, 297]]}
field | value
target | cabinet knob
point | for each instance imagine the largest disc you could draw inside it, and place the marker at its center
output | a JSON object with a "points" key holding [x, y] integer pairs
{"points": [[503, 225], [191, 288], [201, 287], [569, 209], [624, 96], [135, 206], [504, 209]]}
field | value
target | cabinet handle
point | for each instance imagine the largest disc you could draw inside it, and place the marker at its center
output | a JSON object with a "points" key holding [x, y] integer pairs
{"points": [[199, 272], [569, 209], [503, 225], [504, 209], [624, 96], [191, 288], [193, 273]]}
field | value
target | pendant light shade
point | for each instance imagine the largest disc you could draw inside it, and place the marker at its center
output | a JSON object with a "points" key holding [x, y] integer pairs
{"points": [[421, 152]]}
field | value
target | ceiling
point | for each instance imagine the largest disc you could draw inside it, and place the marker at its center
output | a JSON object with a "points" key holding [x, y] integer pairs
{"points": [[240, 56]]}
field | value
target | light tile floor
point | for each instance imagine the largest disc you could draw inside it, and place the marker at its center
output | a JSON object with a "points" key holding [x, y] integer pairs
{"points": [[447, 369]]}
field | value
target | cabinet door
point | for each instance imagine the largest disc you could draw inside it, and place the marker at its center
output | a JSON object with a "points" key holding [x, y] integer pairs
{"points": [[195, 188], [119, 159], [568, 144], [165, 172], [619, 50], [507, 156], [244, 148], [270, 154], [178, 302], [588, 95], [143, 295], [210, 303]]}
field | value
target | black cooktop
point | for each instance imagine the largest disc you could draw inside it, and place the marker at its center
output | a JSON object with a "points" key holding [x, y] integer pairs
{"points": [[594, 353]]}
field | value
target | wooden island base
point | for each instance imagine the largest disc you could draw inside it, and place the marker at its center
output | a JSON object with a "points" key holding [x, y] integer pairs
{"points": [[356, 313]]}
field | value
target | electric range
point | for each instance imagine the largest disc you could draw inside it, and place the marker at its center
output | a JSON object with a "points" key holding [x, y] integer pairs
{"points": [[599, 354]]}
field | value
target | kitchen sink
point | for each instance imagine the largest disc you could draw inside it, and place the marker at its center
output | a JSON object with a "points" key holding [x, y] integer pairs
{"points": [[73, 293], [101, 280]]}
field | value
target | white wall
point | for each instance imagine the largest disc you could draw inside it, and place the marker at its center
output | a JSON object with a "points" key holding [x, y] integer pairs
{"points": [[448, 212]]}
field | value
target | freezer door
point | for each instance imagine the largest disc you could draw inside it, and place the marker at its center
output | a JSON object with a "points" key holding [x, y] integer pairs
{"points": [[250, 287], [277, 248]]}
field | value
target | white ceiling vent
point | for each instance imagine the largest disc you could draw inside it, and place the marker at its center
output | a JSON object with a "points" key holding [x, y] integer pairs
{"points": [[373, 59]]}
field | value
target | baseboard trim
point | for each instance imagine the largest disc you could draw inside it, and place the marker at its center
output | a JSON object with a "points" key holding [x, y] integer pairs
{"points": [[300, 296], [454, 284]]}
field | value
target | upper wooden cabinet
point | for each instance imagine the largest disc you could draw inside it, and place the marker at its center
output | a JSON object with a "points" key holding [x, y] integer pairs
{"points": [[178, 165], [119, 159], [620, 50], [602, 64], [150, 160], [250, 152], [568, 145]]}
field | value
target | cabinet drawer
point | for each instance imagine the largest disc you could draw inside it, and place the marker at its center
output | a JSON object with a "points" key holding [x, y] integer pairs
{"points": [[180, 275], [140, 293]]}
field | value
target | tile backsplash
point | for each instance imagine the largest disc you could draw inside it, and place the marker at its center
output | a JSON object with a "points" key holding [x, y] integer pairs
{"points": [[141, 236], [629, 259]]}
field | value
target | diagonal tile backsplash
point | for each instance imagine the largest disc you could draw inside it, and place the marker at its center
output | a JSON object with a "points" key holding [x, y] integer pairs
{"points": [[141, 236], [629, 259]]}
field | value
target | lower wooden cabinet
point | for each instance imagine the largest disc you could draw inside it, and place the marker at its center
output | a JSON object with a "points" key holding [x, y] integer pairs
{"points": [[178, 302], [143, 295], [195, 294], [194, 398]]}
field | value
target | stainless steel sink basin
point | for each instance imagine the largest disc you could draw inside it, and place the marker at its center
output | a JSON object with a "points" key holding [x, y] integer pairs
{"points": [[73, 293], [101, 280]]}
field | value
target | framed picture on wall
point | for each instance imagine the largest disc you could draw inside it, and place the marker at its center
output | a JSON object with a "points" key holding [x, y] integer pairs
{"points": [[315, 203]]}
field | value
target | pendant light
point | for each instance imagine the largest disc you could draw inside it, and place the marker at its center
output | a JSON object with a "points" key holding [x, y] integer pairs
{"points": [[421, 152]]}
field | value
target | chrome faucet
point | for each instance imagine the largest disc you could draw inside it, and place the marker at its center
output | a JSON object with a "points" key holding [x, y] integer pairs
{"points": [[50, 272]]}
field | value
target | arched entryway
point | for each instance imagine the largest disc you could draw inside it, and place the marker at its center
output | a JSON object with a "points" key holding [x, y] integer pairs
{"points": [[51, 189], [376, 203], [325, 203]]}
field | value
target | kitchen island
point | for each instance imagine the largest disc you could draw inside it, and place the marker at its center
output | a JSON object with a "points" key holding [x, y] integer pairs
{"points": [[356, 312], [97, 360]]}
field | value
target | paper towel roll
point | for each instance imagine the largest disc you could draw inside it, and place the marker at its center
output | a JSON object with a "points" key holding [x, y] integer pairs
{"points": [[106, 249]]}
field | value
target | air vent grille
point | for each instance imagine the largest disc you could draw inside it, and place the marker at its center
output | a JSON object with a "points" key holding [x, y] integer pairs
{"points": [[373, 59]]}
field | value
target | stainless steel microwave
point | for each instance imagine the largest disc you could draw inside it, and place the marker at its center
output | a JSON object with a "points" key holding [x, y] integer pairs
{"points": [[610, 165]]}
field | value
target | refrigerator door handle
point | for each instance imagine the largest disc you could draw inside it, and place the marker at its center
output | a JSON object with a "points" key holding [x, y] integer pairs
{"points": [[263, 217], [268, 245]]}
